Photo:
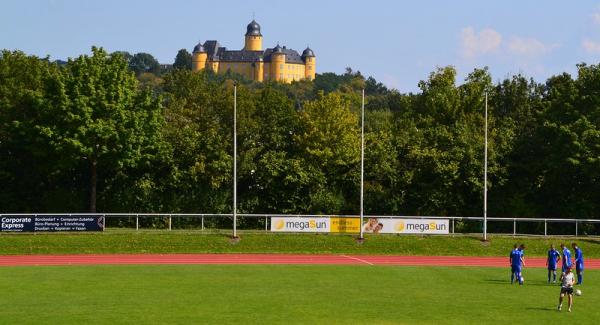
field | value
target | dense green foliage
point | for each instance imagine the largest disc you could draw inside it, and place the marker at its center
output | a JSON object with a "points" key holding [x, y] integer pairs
{"points": [[178, 241], [164, 143], [290, 294]]}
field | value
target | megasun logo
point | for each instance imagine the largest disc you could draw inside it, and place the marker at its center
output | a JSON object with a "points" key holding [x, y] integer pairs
{"points": [[423, 227], [302, 225], [279, 224], [400, 226]]}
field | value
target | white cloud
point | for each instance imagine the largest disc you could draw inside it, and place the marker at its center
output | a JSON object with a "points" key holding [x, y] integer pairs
{"points": [[391, 81], [596, 18], [530, 47], [475, 44], [591, 46]]}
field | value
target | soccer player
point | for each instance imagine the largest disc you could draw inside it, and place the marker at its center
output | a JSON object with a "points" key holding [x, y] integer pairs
{"points": [[516, 263], [578, 263], [553, 258], [566, 288], [566, 257]]}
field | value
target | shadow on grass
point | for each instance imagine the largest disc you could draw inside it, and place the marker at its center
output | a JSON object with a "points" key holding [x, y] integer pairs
{"points": [[542, 309], [530, 283]]}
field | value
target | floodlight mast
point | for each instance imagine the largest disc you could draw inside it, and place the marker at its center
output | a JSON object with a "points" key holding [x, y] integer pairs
{"points": [[362, 162], [235, 161], [485, 168]]}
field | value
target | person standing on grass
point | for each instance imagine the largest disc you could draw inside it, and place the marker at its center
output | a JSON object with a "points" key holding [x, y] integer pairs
{"points": [[566, 288], [516, 264], [578, 263], [553, 258], [566, 257]]}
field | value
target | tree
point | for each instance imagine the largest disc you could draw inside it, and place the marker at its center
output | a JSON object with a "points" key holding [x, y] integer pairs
{"points": [[199, 129], [328, 141], [105, 122], [29, 173], [144, 62], [183, 60]]}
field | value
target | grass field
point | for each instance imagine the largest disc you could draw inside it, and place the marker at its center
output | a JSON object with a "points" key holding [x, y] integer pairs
{"points": [[195, 294], [127, 241]]}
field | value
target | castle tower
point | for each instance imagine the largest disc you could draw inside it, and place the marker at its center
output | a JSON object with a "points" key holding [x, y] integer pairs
{"points": [[259, 68], [310, 63], [277, 64], [253, 37], [199, 57]]}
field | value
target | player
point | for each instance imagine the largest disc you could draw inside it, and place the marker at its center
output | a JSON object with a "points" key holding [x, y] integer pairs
{"points": [[566, 288], [553, 258], [516, 264], [566, 257], [578, 263]]}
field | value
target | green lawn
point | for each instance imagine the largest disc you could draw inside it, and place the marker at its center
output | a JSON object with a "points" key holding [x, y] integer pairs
{"points": [[179, 241], [197, 294]]}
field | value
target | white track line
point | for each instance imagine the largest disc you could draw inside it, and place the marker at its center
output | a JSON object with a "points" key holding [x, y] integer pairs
{"points": [[357, 259]]}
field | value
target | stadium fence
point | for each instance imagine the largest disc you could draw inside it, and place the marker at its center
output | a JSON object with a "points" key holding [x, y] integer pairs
{"points": [[458, 225]]}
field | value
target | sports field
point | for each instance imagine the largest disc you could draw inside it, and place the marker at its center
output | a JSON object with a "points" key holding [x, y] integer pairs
{"points": [[300, 294], [370, 283]]}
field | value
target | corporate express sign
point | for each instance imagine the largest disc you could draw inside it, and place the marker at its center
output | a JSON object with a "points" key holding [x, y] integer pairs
{"points": [[352, 225], [19, 223]]}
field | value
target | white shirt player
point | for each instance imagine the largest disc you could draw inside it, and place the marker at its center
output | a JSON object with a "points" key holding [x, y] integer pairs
{"points": [[567, 280]]}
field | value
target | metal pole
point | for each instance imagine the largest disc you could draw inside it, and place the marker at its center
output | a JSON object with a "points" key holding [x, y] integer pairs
{"points": [[137, 223], [576, 230], [362, 162], [514, 227], [485, 172], [266, 223], [235, 161], [545, 227], [202, 223], [453, 225], [169, 222]]}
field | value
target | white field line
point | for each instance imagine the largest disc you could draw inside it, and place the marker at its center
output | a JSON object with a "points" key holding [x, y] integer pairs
{"points": [[357, 259]]}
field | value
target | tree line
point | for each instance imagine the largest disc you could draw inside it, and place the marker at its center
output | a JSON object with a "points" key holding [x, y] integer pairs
{"points": [[95, 134]]}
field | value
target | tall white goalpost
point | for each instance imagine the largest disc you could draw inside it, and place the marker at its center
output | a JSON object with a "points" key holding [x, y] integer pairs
{"points": [[362, 161], [235, 162], [485, 167]]}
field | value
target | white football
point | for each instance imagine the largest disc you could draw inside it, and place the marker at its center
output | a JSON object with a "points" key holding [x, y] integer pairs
{"points": [[578, 292]]}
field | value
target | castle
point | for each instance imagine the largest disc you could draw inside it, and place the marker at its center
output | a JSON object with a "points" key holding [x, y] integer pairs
{"points": [[278, 63]]}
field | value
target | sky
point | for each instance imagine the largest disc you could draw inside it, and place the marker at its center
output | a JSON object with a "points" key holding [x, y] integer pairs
{"points": [[397, 42]]}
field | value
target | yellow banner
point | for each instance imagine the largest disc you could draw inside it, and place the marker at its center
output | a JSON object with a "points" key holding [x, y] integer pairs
{"points": [[345, 225]]}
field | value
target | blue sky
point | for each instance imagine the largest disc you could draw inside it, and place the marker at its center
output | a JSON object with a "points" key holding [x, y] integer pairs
{"points": [[397, 42]]}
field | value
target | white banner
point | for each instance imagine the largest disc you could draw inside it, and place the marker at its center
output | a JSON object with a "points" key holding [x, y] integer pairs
{"points": [[406, 226], [300, 224]]}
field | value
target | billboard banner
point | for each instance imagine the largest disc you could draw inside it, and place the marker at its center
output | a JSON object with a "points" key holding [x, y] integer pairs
{"points": [[300, 224], [345, 225], [51, 223], [407, 226]]}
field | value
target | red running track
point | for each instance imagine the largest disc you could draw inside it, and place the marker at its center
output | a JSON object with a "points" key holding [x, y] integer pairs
{"points": [[271, 259]]}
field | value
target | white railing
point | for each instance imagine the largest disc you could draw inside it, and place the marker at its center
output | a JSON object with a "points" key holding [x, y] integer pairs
{"points": [[577, 223]]}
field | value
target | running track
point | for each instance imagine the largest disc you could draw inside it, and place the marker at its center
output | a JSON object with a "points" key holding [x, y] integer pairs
{"points": [[269, 259]]}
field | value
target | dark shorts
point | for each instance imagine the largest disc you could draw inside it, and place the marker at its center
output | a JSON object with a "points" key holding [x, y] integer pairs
{"points": [[516, 269], [579, 268], [568, 291], [551, 268]]}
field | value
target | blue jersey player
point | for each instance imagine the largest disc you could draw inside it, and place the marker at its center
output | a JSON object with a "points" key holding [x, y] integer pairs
{"points": [[553, 258], [578, 263], [516, 264], [566, 257]]}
